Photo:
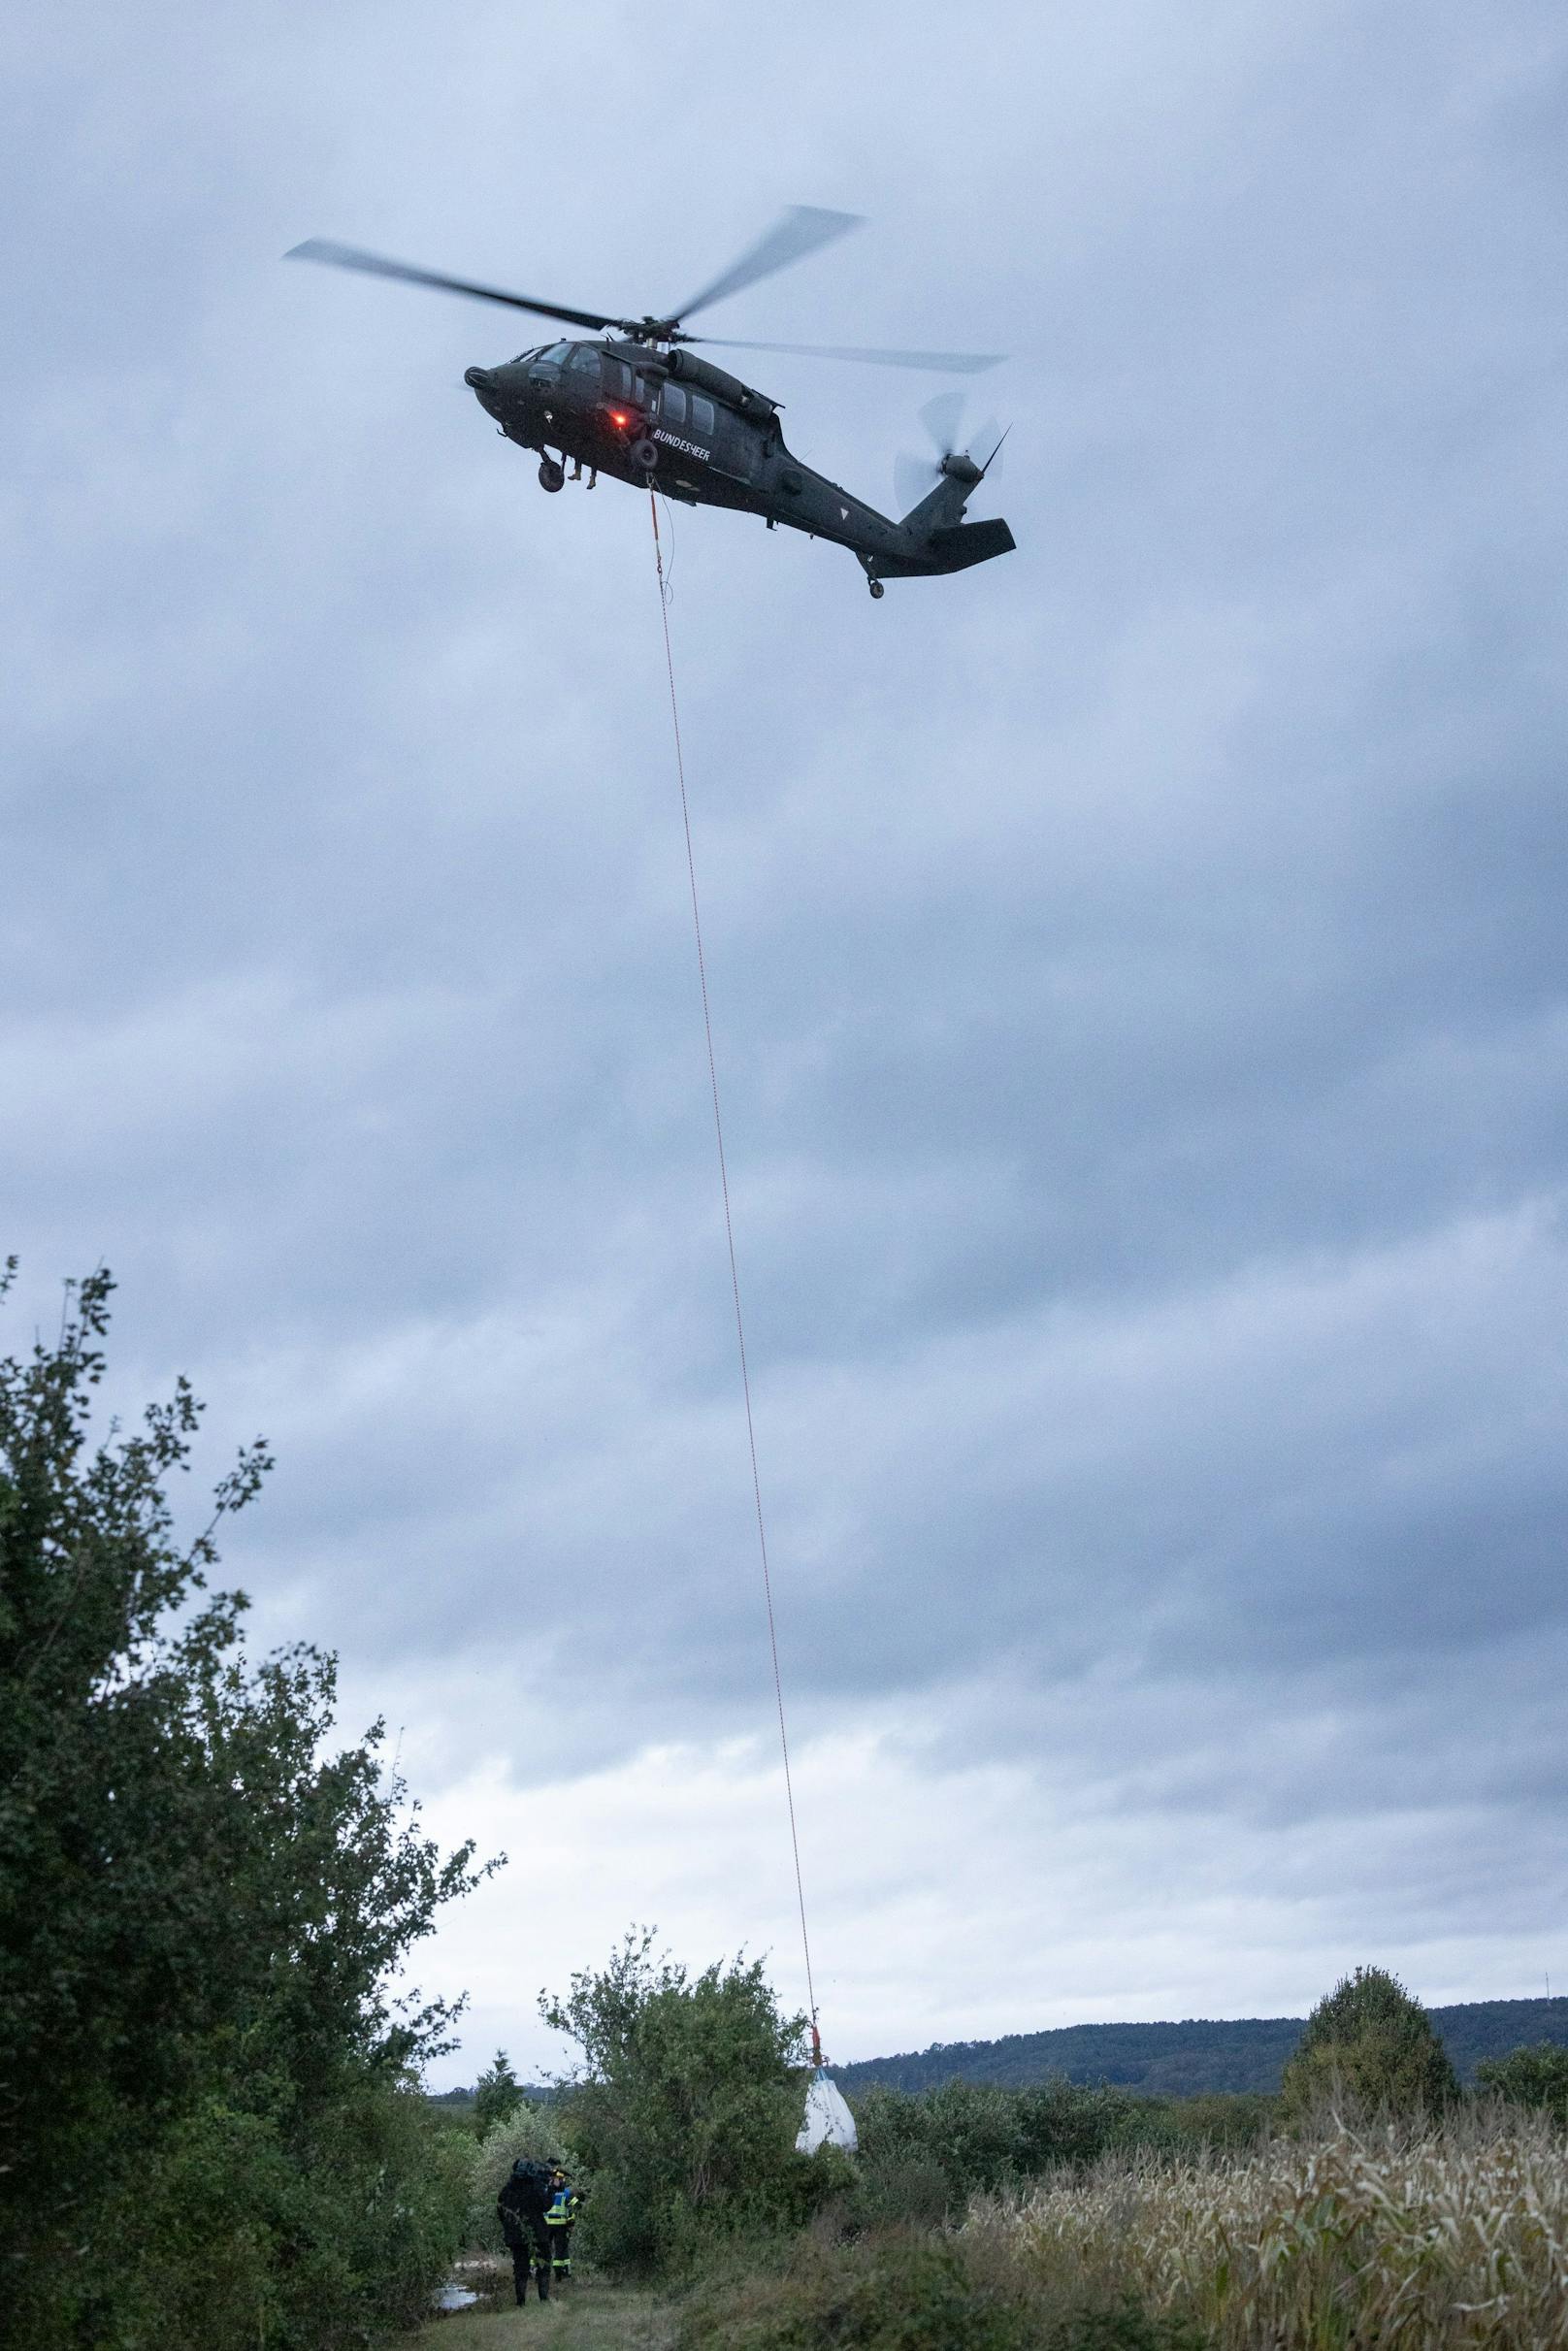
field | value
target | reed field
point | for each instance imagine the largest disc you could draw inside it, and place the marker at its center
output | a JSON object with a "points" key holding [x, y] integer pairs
{"points": [[1352, 2235]]}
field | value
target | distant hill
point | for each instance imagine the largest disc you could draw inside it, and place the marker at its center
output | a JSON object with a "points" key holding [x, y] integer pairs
{"points": [[1189, 2059]]}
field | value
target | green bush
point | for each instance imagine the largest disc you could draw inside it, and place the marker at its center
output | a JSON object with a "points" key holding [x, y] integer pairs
{"points": [[908, 2291], [1370, 2039], [1215, 2119], [686, 2109], [239, 2225], [1535, 2076], [923, 2155]]}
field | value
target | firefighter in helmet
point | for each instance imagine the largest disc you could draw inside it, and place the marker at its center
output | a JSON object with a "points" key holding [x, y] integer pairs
{"points": [[559, 2218]]}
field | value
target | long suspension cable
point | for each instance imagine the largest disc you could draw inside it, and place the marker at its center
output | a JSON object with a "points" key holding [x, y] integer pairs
{"points": [[735, 1276]]}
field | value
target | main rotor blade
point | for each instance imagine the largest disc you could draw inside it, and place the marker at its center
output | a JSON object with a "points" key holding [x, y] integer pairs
{"points": [[374, 265], [944, 363], [797, 232]]}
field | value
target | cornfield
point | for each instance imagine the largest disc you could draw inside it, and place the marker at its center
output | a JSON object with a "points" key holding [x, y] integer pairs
{"points": [[1360, 2236]]}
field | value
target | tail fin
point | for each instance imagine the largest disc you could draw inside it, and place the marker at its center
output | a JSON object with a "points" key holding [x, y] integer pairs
{"points": [[961, 545], [945, 505], [940, 512]]}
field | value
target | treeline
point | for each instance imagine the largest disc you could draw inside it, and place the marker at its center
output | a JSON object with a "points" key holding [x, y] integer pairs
{"points": [[210, 2110], [1199, 2057]]}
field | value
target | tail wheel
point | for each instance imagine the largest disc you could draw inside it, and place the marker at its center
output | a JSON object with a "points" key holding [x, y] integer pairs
{"points": [[879, 590], [644, 454], [551, 476]]}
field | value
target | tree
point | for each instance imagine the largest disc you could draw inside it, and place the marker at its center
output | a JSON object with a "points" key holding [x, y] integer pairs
{"points": [[1533, 2075], [497, 2093], [1371, 2038], [686, 2102], [203, 1910]]}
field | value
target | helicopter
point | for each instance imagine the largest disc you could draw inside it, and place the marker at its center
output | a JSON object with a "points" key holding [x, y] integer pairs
{"points": [[638, 404]]}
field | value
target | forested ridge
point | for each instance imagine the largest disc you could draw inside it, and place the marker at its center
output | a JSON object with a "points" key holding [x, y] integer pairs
{"points": [[1191, 2059], [1197, 2057]]}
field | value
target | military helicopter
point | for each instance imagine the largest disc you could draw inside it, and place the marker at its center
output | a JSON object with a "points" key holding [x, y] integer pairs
{"points": [[642, 407]]}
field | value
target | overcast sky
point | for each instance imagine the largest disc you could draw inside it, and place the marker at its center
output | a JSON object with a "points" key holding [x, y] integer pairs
{"points": [[1138, 967]]}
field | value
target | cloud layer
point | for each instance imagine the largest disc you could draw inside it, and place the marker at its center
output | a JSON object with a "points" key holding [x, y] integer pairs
{"points": [[1137, 971]]}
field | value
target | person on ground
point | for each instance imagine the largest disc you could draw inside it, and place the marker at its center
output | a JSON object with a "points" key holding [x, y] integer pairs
{"points": [[520, 2208], [561, 2218]]}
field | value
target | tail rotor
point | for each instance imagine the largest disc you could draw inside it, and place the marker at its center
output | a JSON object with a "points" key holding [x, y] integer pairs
{"points": [[960, 456]]}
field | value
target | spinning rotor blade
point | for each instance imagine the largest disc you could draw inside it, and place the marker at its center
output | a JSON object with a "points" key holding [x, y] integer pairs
{"points": [[942, 419], [945, 363], [374, 265], [800, 231], [915, 477]]}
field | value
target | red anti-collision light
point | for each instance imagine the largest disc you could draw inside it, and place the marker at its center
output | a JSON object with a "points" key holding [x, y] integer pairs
{"points": [[619, 416]]}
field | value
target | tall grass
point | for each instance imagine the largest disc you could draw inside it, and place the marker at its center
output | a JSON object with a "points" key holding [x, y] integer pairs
{"points": [[1396, 2237]]}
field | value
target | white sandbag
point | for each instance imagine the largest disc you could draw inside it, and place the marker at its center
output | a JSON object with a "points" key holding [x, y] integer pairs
{"points": [[829, 2122]]}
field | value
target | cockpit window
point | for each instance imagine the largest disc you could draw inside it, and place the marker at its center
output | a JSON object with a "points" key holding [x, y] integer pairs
{"points": [[553, 357], [585, 359]]}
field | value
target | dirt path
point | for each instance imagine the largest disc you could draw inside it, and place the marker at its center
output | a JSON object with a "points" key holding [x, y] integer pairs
{"points": [[586, 2316]]}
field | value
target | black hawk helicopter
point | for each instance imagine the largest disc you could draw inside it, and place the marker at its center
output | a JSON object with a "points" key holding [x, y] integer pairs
{"points": [[642, 407]]}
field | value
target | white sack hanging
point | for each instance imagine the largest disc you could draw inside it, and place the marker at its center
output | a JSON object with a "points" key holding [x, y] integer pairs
{"points": [[829, 2122]]}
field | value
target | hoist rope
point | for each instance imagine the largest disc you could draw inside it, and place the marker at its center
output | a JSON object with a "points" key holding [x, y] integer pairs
{"points": [[734, 1275]]}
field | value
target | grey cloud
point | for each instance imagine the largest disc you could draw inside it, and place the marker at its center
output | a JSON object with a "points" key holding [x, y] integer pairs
{"points": [[1137, 973]]}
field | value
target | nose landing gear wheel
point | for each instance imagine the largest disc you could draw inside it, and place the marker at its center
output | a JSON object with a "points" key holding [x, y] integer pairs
{"points": [[877, 589], [551, 476]]}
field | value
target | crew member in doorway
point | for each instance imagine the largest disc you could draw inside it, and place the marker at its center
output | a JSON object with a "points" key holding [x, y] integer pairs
{"points": [[520, 2208], [561, 2218]]}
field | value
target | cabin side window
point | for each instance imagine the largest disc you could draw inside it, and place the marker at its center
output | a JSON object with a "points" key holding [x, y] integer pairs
{"points": [[672, 403], [703, 416], [618, 378]]}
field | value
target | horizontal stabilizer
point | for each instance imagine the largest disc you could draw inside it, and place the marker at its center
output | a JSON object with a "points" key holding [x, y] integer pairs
{"points": [[964, 543]]}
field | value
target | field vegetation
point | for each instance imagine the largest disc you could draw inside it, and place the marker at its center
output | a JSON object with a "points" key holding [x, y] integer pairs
{"points": [[1352, 2234], [1402, 2237]]}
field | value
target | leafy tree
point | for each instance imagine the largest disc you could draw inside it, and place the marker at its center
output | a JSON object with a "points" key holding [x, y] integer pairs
{"points": [[686, 2104], [1371, 2038], [1536, 2075], [203, 1909], [497, 2092]]}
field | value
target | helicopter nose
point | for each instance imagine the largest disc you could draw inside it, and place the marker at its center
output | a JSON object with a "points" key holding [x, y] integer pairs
{"points": [[477, 379]]}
